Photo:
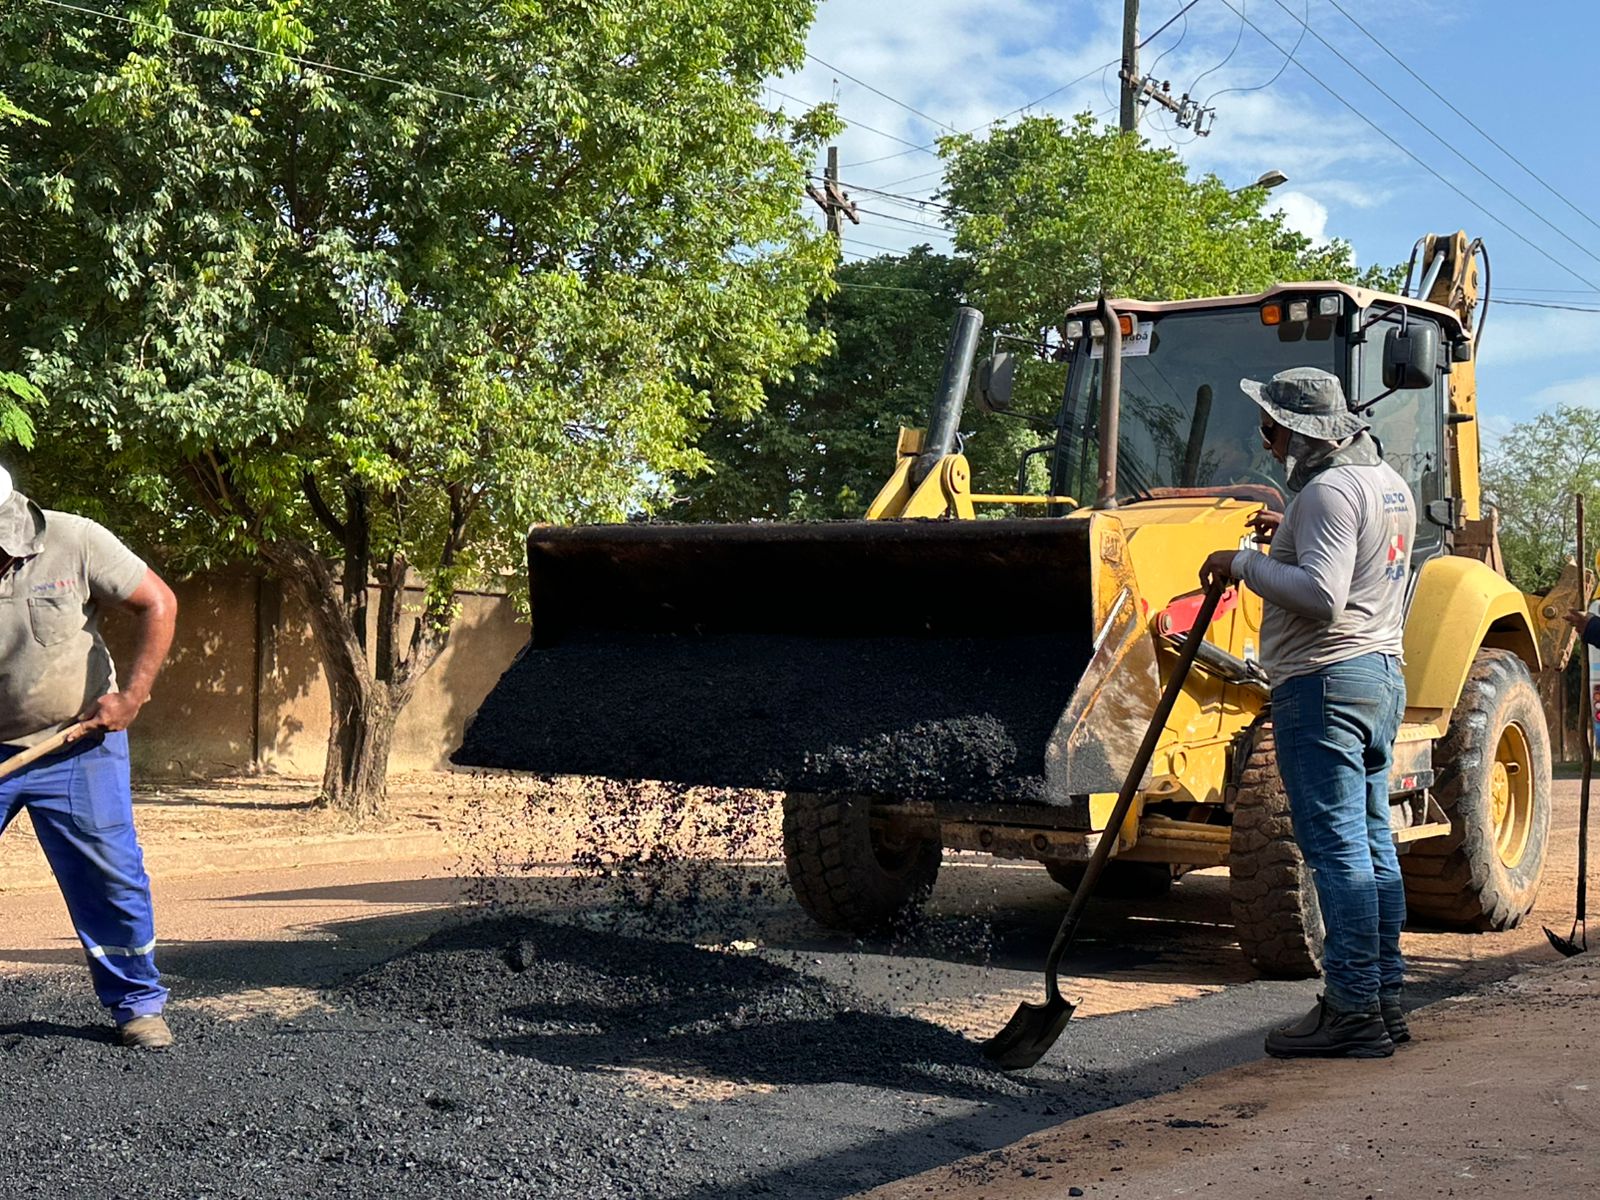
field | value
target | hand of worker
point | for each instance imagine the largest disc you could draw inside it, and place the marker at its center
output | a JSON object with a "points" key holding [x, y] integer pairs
{"points": [[1577, 618], [112, 712], [1218, 565], [1264, 524]]}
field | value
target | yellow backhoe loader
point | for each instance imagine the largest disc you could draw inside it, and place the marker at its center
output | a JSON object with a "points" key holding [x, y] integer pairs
{"points": [[937, 678]]}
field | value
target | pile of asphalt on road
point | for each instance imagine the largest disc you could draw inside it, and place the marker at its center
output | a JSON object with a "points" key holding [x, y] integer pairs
{"points": [[910, 717], [499, 1058]]}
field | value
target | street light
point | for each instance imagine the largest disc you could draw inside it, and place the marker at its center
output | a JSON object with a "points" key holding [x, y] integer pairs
{"points": [[1268, 181]]}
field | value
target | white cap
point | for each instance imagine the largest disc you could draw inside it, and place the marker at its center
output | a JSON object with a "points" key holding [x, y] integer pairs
{"points": [[5, 485]]}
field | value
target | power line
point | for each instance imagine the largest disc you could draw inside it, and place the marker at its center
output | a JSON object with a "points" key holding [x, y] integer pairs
{"points": [[1546, 304], [1386, 136], [919, 201], [879, 287], [257, 50], [1431, 132], [852, 124], [880, 92], [929, 147], [1480, 130], [855, 241], [1181, 12], [1288, 56], [1184, 33], [883, 216], [1226, 58]]}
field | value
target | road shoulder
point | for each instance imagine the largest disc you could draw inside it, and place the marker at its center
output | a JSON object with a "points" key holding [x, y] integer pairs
{"points": [[1501, 1088]]}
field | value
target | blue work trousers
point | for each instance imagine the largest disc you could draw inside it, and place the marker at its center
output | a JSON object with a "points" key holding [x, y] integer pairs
{"points": [[1335, 734], [82, 811]]}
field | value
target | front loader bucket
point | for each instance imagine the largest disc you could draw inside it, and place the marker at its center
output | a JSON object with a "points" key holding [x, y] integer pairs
{"points": [[906, 659]]}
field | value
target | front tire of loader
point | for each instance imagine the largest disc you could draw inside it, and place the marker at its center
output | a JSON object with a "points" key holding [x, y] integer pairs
{"points": [[1494, 784], [848, 874], [1275, 911]]}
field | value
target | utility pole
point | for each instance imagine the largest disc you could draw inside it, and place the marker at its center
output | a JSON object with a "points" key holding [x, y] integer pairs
{"points": [[1137, 91], [834, 201], [1131, 84]]}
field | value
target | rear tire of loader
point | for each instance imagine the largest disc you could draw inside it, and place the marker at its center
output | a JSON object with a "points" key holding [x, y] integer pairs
{"points": [[1120, 881], [847, 874], [1275, 911], [1493, 783]]}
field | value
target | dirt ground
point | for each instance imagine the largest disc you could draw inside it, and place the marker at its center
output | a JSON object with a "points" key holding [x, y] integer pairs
{"points": [[259, 939]]}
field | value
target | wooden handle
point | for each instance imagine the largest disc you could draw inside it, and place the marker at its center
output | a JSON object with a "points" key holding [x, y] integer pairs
{"points": [[49, 746]]}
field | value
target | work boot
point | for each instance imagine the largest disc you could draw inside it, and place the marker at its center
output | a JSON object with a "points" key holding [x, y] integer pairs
{"points": [[1328, 1032], [145, 1033], [1394, 1019]]}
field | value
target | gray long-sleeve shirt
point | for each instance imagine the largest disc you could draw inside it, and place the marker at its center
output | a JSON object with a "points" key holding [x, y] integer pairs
{"points": [[1334, 581]]}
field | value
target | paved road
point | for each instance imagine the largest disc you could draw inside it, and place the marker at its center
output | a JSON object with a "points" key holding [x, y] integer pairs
{"points": [[1166, 994]]}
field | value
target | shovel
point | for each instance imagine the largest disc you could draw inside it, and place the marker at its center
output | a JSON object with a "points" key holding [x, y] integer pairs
{"points": [[49, 746], [1034, 1028], [1571, 944]]}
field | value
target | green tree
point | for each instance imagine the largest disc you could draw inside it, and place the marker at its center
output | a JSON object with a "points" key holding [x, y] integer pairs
{"points": [[1050, 212], [294, 310], [824, 442], [1531, 475]]}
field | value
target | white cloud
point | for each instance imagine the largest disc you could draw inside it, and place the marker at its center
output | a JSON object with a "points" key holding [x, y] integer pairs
{"points": [[1302, 213], [1522, 335], [1584, 390]]}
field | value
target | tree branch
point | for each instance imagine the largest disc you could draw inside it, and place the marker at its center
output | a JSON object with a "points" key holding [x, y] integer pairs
{"points": [[313, 494]]}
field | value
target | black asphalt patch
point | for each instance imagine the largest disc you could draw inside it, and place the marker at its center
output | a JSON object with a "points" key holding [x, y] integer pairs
{"points": [[909, 717]]}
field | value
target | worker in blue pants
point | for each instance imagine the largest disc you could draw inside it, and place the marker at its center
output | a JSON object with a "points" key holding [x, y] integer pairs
{"points": [[58, 573], [97, 862]]}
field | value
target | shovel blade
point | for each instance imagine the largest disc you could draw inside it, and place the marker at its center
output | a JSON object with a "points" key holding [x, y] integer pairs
{"points": [[1032, 1030], [1566, 945]]}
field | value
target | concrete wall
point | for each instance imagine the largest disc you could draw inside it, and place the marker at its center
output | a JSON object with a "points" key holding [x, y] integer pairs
{"points": [[243, 688]]}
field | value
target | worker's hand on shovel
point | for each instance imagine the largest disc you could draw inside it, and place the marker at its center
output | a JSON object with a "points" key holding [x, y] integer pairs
{"points": [[1577, 618], [113, 712], [1218, 565]]}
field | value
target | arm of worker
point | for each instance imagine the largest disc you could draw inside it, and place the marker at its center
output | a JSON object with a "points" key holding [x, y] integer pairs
{"points": [[1588, 626], [1317, 585], [118, 578]]}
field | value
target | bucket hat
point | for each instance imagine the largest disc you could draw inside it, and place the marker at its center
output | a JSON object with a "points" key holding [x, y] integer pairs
{"points": [[1307, 400]]}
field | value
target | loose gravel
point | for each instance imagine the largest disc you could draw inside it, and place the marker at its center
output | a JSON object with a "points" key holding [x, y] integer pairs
{"points": [[500, 1057]]}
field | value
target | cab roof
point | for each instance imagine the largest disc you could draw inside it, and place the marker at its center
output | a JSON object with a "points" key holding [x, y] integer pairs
{"points": [[1363, 297]]}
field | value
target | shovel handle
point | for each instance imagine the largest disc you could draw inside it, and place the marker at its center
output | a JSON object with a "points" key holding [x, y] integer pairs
{"points": [[1130, 785], [1588, 731], [49, 746]]}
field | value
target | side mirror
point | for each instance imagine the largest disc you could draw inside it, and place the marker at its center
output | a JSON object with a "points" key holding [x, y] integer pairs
{"points": [[1411, 357], [996, 376]]}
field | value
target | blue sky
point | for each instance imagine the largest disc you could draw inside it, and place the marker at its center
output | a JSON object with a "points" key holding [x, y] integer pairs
{"points": [[963, 64]]}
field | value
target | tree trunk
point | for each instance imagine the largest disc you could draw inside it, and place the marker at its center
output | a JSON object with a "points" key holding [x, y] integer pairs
{"points": [[365, 699], [362, 717]]}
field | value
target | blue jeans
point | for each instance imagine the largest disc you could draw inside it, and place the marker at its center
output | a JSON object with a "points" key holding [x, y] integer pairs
{"points": [[82, 810], [1335, 733]]}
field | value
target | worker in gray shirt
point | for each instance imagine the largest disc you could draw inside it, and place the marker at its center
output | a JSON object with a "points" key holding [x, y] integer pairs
{"points": [[58, 573], [1334, 586]]}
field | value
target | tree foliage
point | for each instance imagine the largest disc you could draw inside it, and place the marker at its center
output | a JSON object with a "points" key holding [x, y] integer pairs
{"points": [[1052, 212], [362, 328], [1044, 214], [1531, 476], [824, 442]]}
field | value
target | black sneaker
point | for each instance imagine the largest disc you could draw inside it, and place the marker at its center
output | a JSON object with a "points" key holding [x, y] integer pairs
{"points": [[1394, 1019], [1327, 1032]]}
